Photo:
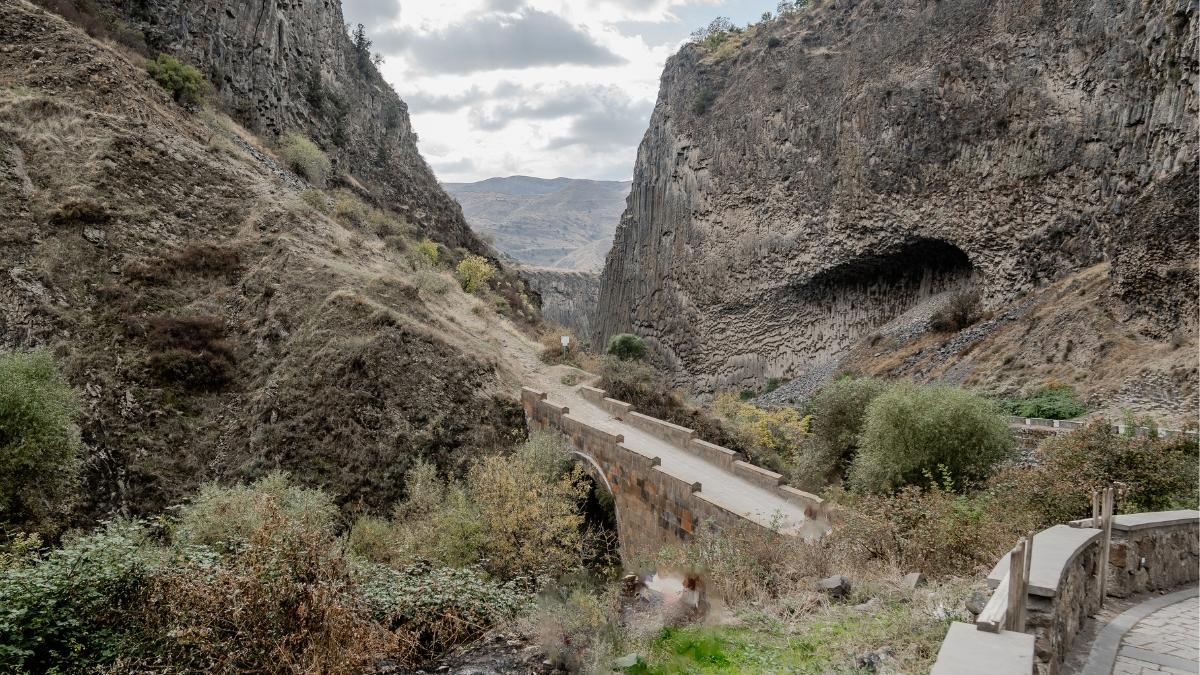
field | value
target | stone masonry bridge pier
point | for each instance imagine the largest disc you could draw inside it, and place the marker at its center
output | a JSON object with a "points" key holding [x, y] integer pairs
{"points": [[664, 481]]}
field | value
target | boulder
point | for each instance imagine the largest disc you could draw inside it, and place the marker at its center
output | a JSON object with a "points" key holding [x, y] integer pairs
{"points": [[836, 586], [914, 580]]}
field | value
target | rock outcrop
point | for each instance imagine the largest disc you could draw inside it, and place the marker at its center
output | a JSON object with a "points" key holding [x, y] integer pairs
{"points": [[836, 167], [284, 66], [568, 296]]}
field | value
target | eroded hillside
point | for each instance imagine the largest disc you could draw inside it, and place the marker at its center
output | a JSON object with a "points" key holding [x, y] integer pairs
{"points": [[807, 182], [217, 319]]}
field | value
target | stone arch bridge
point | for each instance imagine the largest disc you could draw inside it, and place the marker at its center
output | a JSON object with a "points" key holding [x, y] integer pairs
{"points": [[664, 480]]}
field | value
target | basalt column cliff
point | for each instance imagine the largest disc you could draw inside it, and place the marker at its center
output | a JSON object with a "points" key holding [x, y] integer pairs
{"points": [[821, 174]]}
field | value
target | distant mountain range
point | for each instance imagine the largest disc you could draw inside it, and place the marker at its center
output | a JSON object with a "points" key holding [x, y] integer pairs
{"points": [[550, 222]]}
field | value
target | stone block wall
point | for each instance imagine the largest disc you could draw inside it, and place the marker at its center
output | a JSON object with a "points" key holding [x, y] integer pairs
{"points": [[1147, 552], [1144, 559], [1055, 621]]}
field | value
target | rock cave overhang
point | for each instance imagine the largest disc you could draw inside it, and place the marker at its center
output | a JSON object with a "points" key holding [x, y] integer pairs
{"points": [[903, 265]]}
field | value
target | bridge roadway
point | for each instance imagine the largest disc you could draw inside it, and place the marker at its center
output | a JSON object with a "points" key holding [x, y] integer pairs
{"points": [[753, 502]]}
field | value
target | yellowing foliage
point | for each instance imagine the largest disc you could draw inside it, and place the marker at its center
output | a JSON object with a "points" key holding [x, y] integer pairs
{"points": [[773, 437]]}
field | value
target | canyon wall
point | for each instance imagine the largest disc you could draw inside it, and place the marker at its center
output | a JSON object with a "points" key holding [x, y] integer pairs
{"points": [[822, 173], [568, 296], [290, 66]]}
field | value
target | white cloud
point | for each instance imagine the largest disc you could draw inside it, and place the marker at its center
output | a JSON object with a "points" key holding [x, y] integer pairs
{"points": [[538, 87]]}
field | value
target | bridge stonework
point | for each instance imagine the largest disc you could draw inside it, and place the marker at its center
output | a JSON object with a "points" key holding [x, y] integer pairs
{"points": [[653, 507]]}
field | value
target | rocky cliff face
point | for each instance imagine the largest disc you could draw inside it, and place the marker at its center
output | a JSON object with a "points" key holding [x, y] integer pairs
{"points": [[282, 66], [833, 169], [568, 296]]}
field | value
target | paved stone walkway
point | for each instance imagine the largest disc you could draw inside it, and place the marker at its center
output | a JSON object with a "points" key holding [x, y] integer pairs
{"points": [[1164, 642]]}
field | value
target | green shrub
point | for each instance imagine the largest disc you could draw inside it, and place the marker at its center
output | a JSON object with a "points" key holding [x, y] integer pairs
{"points": [[911, 431], [185, 83], [442, 607], [428, 251], [570, 625], [71, 610], [1160, 472], [316, 200], [226, 517], [39, 442], [516, 515], [474, 272], [305, 158], [627, 347], [702, 101], [838, 411], [961, 311], [1054, 402]]}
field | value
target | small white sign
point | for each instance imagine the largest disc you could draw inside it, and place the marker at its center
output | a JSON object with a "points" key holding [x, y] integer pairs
{"points": [[565, 340]]}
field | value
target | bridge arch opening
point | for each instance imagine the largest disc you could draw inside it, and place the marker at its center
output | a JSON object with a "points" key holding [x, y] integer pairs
{"points": [[600, 525]]}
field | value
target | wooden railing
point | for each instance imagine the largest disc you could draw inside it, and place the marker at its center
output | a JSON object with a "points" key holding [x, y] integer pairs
{"points": [[1006, 609]]}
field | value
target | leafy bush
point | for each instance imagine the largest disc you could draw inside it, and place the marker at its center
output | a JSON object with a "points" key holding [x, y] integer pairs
{"points": [[316, 200], [961, 311], [428, 251], [226, 517], [1161, 474], [933, 530], [71, 609], [474, 272], [515, 515], [911, 431], [838, 411], [627, 347], [771, 438], [1054, 402], [282, 601], [305, 158], [39, 442], [441, 607], [185, 83]]}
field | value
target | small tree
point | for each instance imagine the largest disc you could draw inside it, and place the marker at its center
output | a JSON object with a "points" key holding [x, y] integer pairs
{"points": [[912, 432], [627, 347], [185, 83], [362, 48], [474, 272], [39, 442]]}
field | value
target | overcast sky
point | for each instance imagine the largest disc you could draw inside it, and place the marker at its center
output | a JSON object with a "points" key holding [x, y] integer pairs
{"points": [[536, 87]]}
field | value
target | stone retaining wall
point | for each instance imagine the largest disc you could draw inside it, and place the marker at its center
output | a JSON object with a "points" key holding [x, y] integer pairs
{"points": [[1148, 551]]}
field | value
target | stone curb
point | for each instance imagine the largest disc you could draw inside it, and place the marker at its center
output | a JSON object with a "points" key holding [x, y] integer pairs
{"points": [[1108, 641]]}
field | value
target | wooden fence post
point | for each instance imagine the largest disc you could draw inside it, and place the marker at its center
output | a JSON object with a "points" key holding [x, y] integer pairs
{"points": [[1106, 540], [1025, 582], [1016, 586]]}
